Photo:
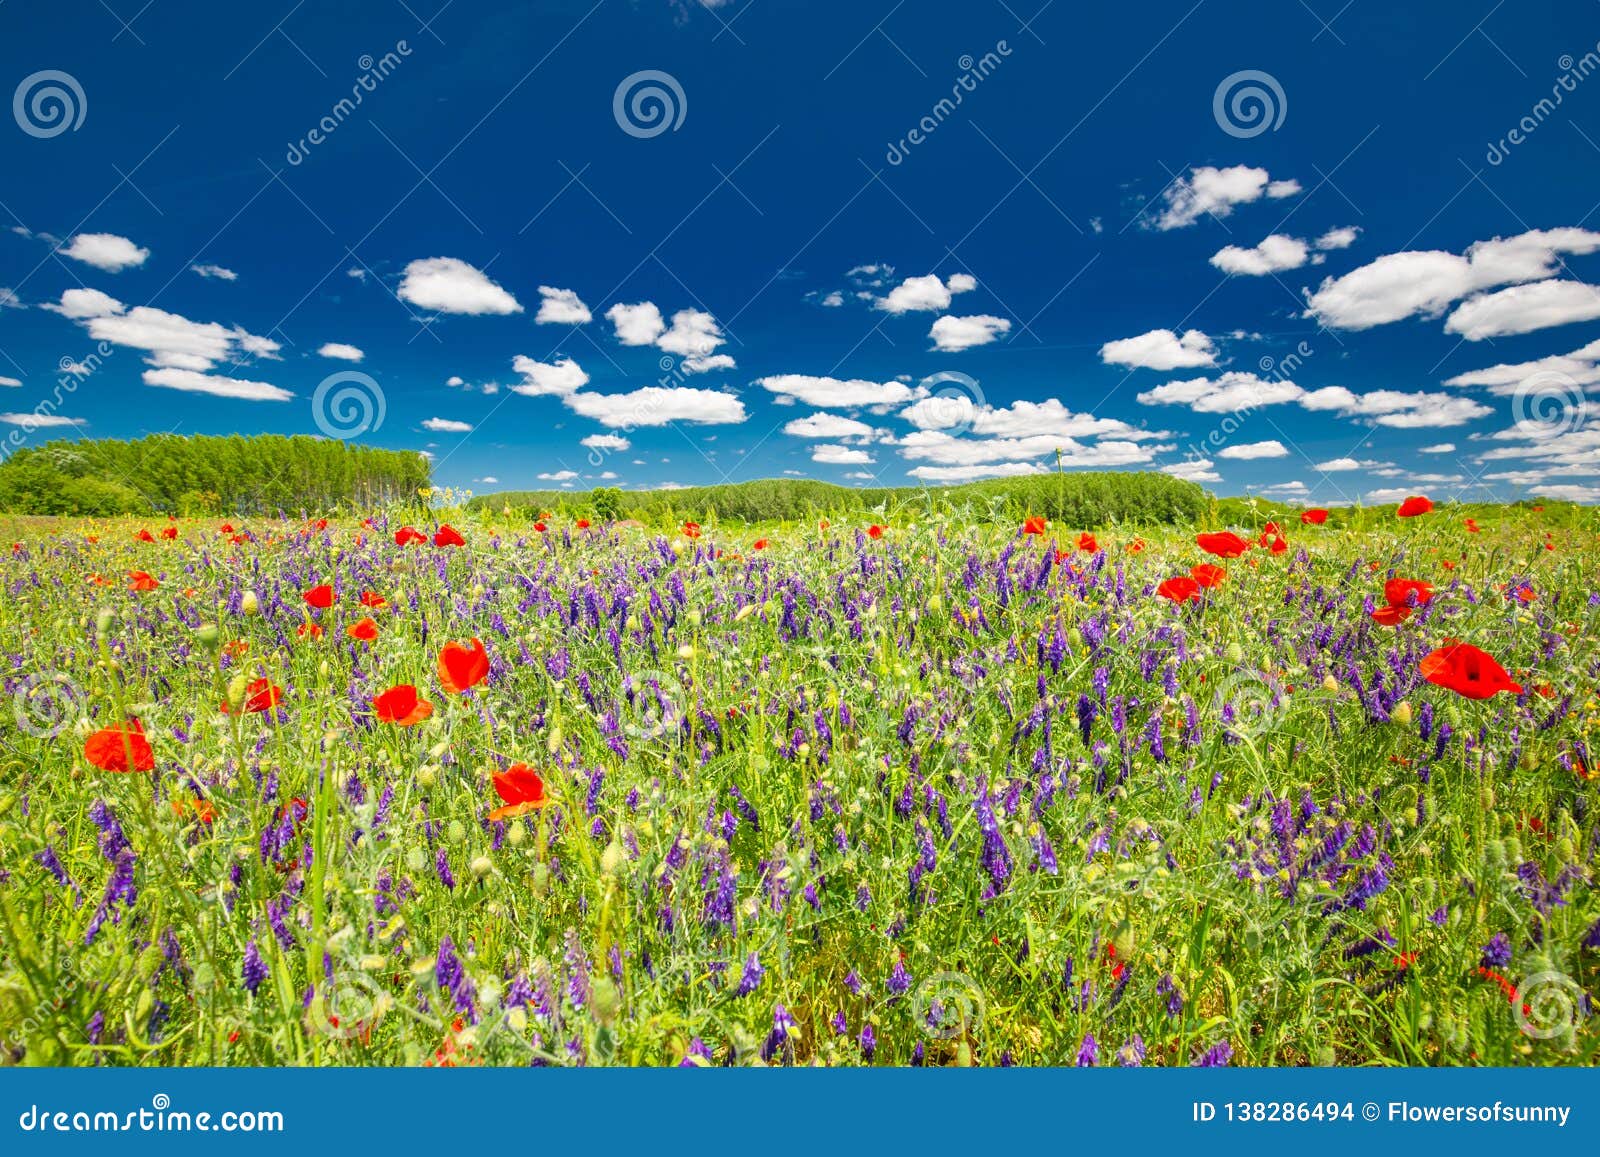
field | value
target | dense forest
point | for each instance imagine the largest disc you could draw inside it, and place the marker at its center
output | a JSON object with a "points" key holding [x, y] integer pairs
{"points": [[173, 474], [1072, 499]]}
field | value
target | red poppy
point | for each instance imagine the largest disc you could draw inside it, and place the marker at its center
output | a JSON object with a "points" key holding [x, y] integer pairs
{"points": [[1391, 615], [1136, 546], [145, 536], [760, 544], [373, 599], [1088, 544], [402, 706], [202, 808], [447, 535], [1034, 524], [364, 631], [1269, 530], [1223, 544], [691, 530], [1414, 506], [1278, 545], [540, 527], [169, 532], [122, 748], [409, 536], [1467, 671], [139, 580], [1316, 517], [1180, 589], [521, 788], [823, 524], [261, 695], [1472, 526], [875, 531], [1208, 574], [1397, 592], [225, 528], [583, 524], [462, 666], [309, 631], [320, 597]]}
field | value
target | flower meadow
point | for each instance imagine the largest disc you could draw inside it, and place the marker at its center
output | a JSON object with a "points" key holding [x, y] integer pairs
{"points": [[919, 791]]}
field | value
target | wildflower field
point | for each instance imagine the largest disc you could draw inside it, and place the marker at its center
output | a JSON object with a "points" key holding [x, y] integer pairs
{"points": [[922, 791]]}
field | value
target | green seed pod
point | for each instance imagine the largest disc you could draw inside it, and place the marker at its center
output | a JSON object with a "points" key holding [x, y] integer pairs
{"points": [[457, 831], [607, 1001], [963, 1055], [541, 879], [207, 635], [1235, 653]]}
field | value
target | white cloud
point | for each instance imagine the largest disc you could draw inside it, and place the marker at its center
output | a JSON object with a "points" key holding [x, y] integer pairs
{"points": [[925, 293], [826, 425], [450, 285], [105, 251], [455, 380], [873, 276], [825, 392], [694, 334], [1341, 238], [547, 379], [447, 426], [1209, 190], [830, 454], [1426, 282], [945, 450], [613, 442], [215, 271], [1161, 349], [833, 299], [1294, 489], [1231, 393], [1344, 465], [341, 351], [1397, 409], [219, 386], [1438, 448], [1249, 451], [11, 382], [83, 303], [707, 364], [1046, 419], [969, 473], [39, 421], [1193, 470], [559, 476], [1586, 495], [658, 406], [561, 307], [637, 324], [1524, 308], [169, 340], [1273, 255], [953, 334], [488, 480], [1581, 366]]}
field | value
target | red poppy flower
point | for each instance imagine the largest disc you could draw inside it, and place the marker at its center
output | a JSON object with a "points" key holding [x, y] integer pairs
{"points": [[309, 631], [1136, 546], [1391, 616], [1223, 544], [1316, 517], [1088, 544], [139, 580], [760, 544], [1397, 592], [402, 706], [1034, 524], [691, 530], [1414, 506], [1208, 574], [462, 666], [1180, 589], [261, 695], [1472, 526], [365, 630], [874, 531], [320, 597], [1464, 669], [1269, 530], [225, 528], [583, 524], [122, 748], [540, 527], [1278, 545], [447, 535], [521, 788], [823, 524], [373, 599], [202, 808], [169, 532], [409, 536], [145, 536]]}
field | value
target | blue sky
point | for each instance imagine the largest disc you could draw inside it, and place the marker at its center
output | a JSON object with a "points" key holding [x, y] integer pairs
{"points": [[1325, 251]]}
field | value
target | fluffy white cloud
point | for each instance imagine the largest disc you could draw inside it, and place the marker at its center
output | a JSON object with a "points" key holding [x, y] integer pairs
{"points": [[1438, 448], [1193, 470], [1231, 393], [1426, 282], [450, 285], [1581, 368], [559, 476], [823, 392], [1395, 408], [40, 421], [658, 406], [1294, 489], [105, 251], [1249, 451], [546, 379], [826, 425], [1341, 238], [946, 450], [1524, 308], [925, 293], [561, 307], [612, 442], [694, 334], [215, 271], [173, 342], [219, 386], [637, 324], [1209, 190], [833, 299], [1344, 465], [969, 473], [1049, 418], [830, 454], [81, 303], [447, 426], [10, 382], [341, 351], [707, 364], [954, 334], [1273, 255], [1161, 349]]}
